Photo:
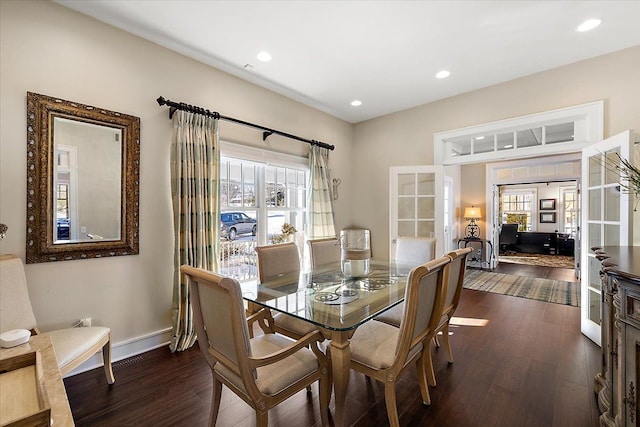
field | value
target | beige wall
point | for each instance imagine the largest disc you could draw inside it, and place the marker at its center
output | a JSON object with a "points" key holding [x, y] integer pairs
{"points": [[48, 49], [406, 137]]}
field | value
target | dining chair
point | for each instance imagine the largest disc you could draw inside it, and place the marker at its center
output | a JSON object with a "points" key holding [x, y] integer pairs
{"points": [[412, 251], [264, 370], [324, 251], [384, 352], [72, 346], [457, 269], [415, 250], [275, 261]]}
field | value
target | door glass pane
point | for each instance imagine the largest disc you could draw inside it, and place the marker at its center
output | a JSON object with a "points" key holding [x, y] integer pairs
{"points": [[611, 204], [426, 184], [406, 228], [611, 174], [529, 137], [594, 306], [594, 273], [611, 235], [594, 235], [426, 228], [559, 133], [406, 208], [406, 184], [426, 207], [595, 171], [594, 204]]}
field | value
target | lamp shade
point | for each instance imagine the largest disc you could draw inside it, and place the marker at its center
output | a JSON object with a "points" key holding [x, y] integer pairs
{"points": [[472, 213]]}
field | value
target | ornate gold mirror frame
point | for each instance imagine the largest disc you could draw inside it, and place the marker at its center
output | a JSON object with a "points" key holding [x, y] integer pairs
{"points": [[94, 212]]}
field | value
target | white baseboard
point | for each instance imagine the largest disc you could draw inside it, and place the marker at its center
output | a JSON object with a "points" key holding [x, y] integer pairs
{"points": [[128, 348]]}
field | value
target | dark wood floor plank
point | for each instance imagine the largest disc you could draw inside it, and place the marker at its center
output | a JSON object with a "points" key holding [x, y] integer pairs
{"points": [[527, 365]]}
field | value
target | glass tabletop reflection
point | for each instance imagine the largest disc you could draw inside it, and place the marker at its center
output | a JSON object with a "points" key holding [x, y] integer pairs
{"points": [[329, 299]]}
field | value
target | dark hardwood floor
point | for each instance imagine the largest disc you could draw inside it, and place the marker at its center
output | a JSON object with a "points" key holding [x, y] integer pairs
{"points": [[526, 364]]}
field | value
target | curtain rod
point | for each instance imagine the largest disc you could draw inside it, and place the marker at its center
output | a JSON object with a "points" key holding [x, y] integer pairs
{"points": [[266, 131]]}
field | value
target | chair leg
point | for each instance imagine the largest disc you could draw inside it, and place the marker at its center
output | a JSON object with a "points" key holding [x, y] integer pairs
{"points": [[324, 391], [215, 400], [422, 381], [447, 344], [106, 358], [262, 418], [390, 400], [427, 362]]}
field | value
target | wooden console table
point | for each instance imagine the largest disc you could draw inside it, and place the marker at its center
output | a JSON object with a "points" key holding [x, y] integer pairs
{"points": [[60, 410], [617, 383]]}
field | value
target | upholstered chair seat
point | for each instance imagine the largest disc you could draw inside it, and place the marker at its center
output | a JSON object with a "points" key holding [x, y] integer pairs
{"points": [[274, 378]]}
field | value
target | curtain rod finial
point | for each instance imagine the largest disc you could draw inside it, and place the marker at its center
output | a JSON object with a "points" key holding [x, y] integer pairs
{"points": [[161, 101]]}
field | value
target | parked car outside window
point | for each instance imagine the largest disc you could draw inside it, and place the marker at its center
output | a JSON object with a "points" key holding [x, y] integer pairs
{"points": [[233, 224]]}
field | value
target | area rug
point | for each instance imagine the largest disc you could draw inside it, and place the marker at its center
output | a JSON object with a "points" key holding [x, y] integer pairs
{"points": [[555, 291], [559, 261]]}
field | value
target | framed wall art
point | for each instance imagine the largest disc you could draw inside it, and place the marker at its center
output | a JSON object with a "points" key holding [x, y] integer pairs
{"points": [[547, 204], [547, 217]]}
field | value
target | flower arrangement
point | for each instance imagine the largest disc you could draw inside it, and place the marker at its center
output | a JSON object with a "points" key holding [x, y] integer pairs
{"points": [[287, 230], [629, 177]]}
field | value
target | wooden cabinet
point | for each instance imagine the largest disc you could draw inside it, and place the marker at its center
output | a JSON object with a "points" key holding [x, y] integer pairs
{"points": [[617, 382]]}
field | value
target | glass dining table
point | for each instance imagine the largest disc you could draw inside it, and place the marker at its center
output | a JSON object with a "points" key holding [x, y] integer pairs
{"points": [[336, 304]]}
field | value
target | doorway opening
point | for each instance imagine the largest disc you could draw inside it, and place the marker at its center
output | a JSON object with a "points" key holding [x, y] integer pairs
{"points": [[538, 223]]}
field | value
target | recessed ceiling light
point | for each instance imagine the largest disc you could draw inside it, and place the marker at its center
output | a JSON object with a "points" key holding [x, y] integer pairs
{"points": [[508, 146], [356, 103], [442, 74], [264, 56], [589, 25], [479, 137]]}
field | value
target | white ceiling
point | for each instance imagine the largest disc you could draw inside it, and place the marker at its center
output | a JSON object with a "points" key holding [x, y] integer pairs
{"points": [[384, 53]]}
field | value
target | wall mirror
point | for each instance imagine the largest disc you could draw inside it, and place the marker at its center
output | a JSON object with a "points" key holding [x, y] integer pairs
{"points": [[83, 168]]}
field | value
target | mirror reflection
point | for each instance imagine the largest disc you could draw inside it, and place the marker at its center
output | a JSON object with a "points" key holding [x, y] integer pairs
{"points": [[87, 181]]}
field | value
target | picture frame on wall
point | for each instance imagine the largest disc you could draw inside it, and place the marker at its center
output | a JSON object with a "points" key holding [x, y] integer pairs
{"points": [[547, 217], [547, 204]]}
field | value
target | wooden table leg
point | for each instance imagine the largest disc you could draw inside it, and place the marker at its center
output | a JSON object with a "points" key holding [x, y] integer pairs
{"points": [[340, 361]]}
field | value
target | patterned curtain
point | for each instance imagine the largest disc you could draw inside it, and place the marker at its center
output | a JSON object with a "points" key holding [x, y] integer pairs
{"points": [[320, 221], [195, 160]]}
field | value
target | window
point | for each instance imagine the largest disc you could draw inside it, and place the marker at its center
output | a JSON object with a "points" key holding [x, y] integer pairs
{"points": [[257, 197], [569, 210], [559, 131], [62, 201], [518, 208]]}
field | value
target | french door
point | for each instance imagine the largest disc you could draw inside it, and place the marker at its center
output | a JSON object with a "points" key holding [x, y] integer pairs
{"points": [[416, 204], [606, 220]]}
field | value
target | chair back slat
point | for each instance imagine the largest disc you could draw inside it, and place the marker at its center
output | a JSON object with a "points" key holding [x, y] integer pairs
{"points": [[276, 260], [16, 311]]}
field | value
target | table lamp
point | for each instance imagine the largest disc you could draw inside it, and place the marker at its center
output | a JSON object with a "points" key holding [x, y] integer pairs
{"points": [[472, 230]]}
